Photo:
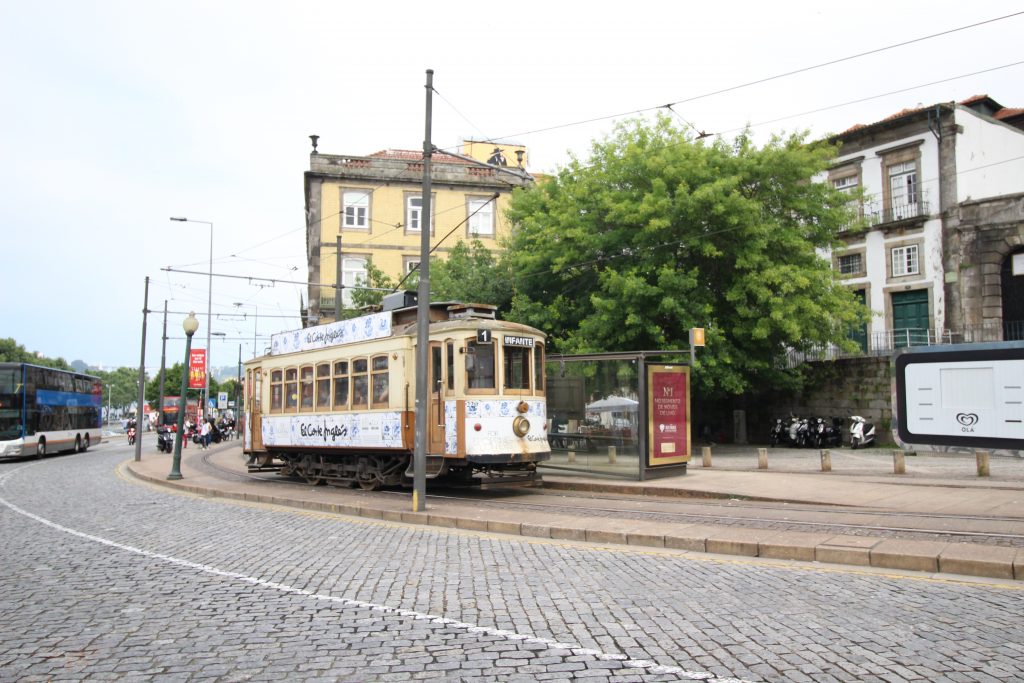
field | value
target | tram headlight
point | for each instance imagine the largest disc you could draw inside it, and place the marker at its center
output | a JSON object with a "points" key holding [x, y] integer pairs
{"points": [[521, 426]]}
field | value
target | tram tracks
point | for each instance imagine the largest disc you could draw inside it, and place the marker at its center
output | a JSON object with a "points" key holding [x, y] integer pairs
{"points": [[979, 529]]}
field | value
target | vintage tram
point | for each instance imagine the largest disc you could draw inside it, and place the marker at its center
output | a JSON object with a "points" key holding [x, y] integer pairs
{"points": [[335, 403]]}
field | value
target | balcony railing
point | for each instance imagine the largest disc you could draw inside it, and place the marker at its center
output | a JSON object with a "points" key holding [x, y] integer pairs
{"points": [[886, 343]]}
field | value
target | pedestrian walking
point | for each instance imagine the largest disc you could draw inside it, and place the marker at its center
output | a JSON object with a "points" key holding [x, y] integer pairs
{"points": [[204, 434]]}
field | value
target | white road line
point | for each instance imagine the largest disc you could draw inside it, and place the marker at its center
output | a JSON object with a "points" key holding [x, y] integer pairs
{"points": [[650, 666]]}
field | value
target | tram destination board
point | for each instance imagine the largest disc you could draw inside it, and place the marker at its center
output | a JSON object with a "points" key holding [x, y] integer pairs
{"points": [[969, 395]]}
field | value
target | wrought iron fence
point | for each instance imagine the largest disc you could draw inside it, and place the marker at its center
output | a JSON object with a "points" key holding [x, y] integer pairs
{"points": [[885, 343]]}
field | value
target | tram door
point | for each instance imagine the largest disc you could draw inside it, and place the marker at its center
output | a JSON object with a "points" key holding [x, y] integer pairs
{"points": [[436, 421], [254, 392]]}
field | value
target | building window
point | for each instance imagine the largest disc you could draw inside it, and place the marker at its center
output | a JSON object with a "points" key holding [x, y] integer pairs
{"points": [[411, 264], [851, 264], [414, 213], [355, 207], [353, 274], [904, 261], [903, 190], [481, 217], [845, 184]]}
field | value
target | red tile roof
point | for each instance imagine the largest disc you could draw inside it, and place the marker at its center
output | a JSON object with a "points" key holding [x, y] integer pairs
{"points": [[1003, 113], [413, 155]]}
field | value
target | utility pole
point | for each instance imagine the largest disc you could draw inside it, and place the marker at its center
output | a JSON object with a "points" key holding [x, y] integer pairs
{"points": [[139, 412], [163, 366], [338, 286], [419, 459]]}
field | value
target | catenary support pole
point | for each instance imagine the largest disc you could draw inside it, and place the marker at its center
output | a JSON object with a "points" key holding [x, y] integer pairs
{"points": [[337, 280], [419, 459], [139, 412], [163, 371]]}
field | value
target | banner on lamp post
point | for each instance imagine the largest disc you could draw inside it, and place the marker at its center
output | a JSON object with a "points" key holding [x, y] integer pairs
{"points": [[197, 369]]}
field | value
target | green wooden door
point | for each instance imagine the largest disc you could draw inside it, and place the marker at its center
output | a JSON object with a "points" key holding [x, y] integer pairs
{"points": [[910, 318]]}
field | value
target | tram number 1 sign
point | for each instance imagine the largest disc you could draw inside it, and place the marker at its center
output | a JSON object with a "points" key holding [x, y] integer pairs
{"points": [[668, 410]]}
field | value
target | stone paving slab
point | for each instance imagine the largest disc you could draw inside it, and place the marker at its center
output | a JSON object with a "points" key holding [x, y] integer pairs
{"points": [[887, 553]]}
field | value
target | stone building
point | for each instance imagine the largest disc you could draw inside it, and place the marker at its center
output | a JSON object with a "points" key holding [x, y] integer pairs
{"points": [[368, 209], [941, 259]]}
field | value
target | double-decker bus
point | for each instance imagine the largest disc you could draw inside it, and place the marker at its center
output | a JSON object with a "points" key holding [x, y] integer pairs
{"points": [[44, 410]]}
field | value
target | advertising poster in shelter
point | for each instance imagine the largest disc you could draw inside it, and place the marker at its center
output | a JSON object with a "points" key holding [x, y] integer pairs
{"points": [[197, 369], [668, 405]]}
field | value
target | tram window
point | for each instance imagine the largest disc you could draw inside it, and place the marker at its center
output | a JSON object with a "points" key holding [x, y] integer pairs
{"points": [[276, 391], [450, 349], [323, 386], [538, 368], [360, 383], [291, 389], [379, 365], [306, 387], [341, 385], [517, 367], [257, 398], [479, 365]]}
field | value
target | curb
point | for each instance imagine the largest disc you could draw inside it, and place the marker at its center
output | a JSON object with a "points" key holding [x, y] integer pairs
{"points": [[965, 559]]}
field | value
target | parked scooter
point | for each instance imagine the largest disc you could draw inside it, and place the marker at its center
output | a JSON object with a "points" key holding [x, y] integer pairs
{"points": [[828, 433], [777, 434], [793, 431], [862, 432]]}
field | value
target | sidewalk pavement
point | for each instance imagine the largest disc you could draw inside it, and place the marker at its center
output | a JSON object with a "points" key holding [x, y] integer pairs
{"points": [[934, 484]]}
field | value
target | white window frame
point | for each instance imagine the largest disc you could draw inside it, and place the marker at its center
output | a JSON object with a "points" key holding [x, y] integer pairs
{"points": [[905, 261], [855, 259], [846, 184], [481, 217], [414, 214], [355, 209], [353, 273], [903, 188]]}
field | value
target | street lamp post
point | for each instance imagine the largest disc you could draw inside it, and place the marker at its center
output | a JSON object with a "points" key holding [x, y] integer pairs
{"points": [[209, 309], [190, 325]]}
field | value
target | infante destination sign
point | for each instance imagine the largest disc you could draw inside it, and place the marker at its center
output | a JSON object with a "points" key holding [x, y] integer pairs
{"points": [[364, 328]]}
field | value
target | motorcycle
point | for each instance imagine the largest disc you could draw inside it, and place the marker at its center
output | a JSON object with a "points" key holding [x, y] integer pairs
{"points": [[828, 434], [862, 432], [793, 431], [164, 440], [777, 433], [131, 436], [804, 437]]}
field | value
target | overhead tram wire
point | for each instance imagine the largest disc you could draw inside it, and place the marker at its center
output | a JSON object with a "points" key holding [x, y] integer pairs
{"points": [[766, 79], [434, 248]]}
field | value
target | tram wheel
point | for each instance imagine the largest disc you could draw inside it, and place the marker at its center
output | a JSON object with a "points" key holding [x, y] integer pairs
{"points": [[314, 477], [369, 484]]}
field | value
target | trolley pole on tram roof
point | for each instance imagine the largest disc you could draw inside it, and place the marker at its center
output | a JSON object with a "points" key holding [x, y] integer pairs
{"points": [[419, 459]]}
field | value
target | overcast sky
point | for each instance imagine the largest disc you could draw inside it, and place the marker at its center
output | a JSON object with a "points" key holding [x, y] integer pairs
{"points": [[115, 116]]}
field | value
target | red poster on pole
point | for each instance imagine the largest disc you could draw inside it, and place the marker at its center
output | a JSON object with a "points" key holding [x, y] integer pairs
{"points": [[668, 396], [197, 369]]}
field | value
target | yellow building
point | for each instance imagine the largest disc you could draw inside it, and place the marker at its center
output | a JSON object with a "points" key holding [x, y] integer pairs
{"points": [[372, 207]]}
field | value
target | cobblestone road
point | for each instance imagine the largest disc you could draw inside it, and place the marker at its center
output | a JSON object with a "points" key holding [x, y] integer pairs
{"points": [[104, 578]]}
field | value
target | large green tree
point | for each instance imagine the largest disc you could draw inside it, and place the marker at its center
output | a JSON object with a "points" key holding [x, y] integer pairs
{"points": [[657, 232]]}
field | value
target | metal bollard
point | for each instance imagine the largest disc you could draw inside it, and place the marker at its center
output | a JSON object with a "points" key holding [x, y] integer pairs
{"points": [[982, 459], [572, 456], [705, 453], [762, 458], [899, 465], [826, 461], [611, 454]]}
